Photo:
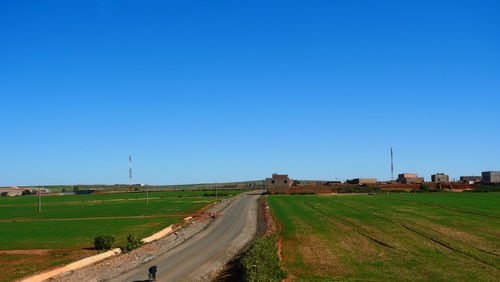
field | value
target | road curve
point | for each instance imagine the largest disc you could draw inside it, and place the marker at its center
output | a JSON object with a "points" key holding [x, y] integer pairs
{"points": [[197, 255]]}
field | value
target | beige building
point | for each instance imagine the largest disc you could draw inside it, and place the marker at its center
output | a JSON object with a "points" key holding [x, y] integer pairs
{"points": [[440, 178], [470, 179], [361, 181], [490, 177], [12, 191], [278, 181], [410, 178], [407, 175]]}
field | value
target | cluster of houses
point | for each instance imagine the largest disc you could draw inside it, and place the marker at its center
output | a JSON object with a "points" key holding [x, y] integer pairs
{"points": [[487, 177], [281, 183]]}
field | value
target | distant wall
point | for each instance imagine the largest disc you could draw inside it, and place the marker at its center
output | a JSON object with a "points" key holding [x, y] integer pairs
{"points": [[322, 188], [400, 187]]}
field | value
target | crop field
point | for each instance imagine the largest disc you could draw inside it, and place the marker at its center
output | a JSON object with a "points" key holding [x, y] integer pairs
{"points": [[390, 237], [125, 187], [65, 229]]}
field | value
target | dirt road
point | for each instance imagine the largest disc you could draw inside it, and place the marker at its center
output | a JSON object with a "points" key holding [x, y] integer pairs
{"points": [[197, 257]]}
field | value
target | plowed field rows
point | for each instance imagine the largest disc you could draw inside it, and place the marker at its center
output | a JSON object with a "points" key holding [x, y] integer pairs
{"points": [[435, 236]]}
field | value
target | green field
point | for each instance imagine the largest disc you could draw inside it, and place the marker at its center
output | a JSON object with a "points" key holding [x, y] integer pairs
{"points": [[67, 225], [96, 196], [390, 237], [125, 187]]}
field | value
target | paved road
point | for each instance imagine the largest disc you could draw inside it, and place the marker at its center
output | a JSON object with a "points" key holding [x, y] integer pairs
{"points": [[199, 251]]}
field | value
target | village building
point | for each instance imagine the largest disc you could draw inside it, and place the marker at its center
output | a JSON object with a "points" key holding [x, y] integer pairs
{"points": [[362, 181], [470, 179], [490, 177], [410, 178], [12, 191], [440, 178], [278, 181]]}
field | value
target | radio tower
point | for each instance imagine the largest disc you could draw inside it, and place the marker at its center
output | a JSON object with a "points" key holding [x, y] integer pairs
{"points": [[129, 173], [392, 165]]}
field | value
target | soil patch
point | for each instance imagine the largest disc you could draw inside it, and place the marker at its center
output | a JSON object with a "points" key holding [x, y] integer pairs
{"points": [[19, 263]]}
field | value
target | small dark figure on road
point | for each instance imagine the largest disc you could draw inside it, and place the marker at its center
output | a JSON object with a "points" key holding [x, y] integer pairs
{"points": [[152, 273]]}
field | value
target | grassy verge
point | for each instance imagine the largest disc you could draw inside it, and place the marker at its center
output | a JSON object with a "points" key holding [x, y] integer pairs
{"points": [[261, 261], [487, 189]]}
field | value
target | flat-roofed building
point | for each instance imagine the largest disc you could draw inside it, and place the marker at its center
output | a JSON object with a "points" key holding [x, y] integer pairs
{"points": [[410, 178], [12, 191], [470, 179], [440, 178], [361, 181], [278, 184], [490, 177], [278, 180], [407, 175]]}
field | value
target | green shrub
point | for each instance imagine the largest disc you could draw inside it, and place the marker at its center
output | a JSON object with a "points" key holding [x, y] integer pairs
{"points": [[26, 193], [216, 194], [104, 242], [486, 189], [303, 193], [398, 191], [133, 242], [426, 188], [261, 261], [358, 189]]}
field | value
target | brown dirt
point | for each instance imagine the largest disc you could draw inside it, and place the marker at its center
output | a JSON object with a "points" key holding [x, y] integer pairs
{"points": [[466, 237], [312, 250], [275, 226], [20, 263], [446, 245], [316, 253], [26, 252], [205, 208], [271, 227], [279, 227]]}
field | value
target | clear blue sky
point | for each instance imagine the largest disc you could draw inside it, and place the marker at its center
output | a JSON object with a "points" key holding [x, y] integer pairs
{"points": [[204, 91]]}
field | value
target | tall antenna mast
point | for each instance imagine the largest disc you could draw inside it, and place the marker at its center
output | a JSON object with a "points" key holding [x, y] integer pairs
{"points": [[130, 173], [392, 165]]}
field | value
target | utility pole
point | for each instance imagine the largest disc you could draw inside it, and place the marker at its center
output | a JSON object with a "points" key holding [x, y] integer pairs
{"points": [[392, 166], [39, 199], [216, 190], [129, 173]]}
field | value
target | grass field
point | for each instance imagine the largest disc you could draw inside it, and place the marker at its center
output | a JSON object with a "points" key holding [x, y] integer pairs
{"points": [[65, 229], [125, 187], [390, 237]]}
